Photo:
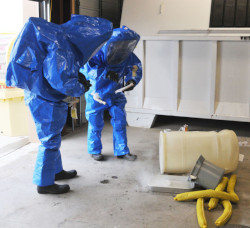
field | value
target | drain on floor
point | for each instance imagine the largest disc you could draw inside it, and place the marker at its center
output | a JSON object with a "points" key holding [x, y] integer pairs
{"points": [[104, 181]]}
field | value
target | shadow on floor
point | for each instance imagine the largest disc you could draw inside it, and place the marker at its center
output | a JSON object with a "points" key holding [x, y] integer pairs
{"points": [[174, 123]]}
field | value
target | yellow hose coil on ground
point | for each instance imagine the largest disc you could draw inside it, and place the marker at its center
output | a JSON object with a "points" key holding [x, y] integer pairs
{"points": [[206, 194], [201, 213], [227, 213], [213, 202], [216, 194], [231, 184]]}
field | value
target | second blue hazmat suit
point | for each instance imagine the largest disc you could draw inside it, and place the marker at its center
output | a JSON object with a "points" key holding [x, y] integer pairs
{"points": [[45, 62], [114, 66]]}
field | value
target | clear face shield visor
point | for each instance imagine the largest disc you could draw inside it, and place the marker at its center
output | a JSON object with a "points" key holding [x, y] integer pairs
{"points": [[119, 51]]}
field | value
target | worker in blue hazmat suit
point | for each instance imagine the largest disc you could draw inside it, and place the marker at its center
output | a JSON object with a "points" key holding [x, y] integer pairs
{"points": [[113, 67], [45, 62]]}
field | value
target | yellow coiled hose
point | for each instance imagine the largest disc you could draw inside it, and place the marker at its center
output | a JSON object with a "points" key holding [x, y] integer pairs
{"points": [[215, 196], [207, 194], [226, 215], [228, 210], [201, 213], [213, 202]]}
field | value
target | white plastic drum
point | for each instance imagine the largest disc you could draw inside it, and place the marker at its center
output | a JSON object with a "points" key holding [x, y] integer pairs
{"points": [[179, 150]]}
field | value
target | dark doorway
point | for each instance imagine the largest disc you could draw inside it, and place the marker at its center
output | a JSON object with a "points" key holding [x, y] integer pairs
{"points": [[62, 10]]}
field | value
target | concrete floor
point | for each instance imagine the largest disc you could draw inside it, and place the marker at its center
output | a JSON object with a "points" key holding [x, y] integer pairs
{"points": [[112, 193]]}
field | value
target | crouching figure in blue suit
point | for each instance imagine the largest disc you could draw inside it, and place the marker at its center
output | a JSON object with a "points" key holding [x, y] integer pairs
{"points": [[112, 68], [45, 62]]}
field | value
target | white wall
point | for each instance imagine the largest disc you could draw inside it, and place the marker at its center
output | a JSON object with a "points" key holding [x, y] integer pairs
{"points": [[30, 9], [14, 13], [147, 17]]}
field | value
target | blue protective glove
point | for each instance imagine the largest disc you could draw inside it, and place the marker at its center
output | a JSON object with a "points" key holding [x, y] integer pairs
{"points": [[131, 88], [86, 83]]}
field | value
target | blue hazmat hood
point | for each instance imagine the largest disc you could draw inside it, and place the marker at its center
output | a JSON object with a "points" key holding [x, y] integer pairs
{"points": [[120, 45], [46, 57]]}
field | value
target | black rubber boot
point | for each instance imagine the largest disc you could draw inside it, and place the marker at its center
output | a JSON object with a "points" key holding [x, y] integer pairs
{"points": [[65, 175], [129, 157], [53, 189], [97, 157]]}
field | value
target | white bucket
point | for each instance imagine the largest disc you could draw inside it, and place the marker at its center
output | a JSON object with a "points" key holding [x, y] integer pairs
{"points": [[179, 150]]}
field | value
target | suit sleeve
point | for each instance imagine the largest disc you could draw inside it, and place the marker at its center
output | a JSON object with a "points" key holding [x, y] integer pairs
{"points": [[94, 68]]}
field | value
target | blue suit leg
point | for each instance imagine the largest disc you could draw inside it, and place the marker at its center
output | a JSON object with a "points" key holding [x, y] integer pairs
{"points": [[50, 118], [58, 163], [95, 126], [119, 123]]}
